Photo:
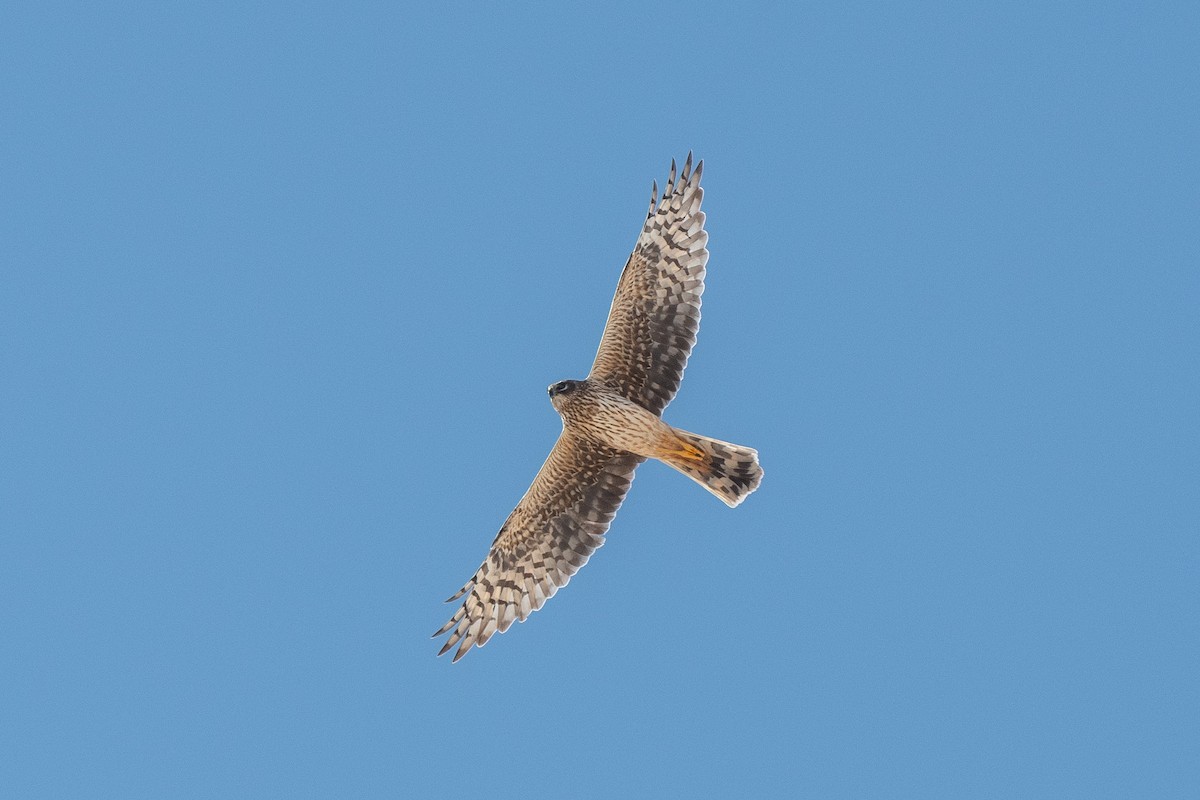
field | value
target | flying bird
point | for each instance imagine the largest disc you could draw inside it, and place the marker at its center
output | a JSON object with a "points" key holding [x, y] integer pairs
{"points": [[611, 423]]}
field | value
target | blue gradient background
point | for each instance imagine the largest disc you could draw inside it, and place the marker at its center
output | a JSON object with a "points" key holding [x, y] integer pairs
{"points": [[282, 289]]}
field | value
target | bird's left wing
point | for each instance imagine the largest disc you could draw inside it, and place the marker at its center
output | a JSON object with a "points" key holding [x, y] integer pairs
{"points": [[655, 313], [551, 533]]}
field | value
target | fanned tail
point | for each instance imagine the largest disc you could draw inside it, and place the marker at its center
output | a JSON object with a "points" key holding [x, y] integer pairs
{"points": [[729, 471]]}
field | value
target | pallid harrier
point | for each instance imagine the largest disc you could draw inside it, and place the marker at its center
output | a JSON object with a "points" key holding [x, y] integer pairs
{"points": [[610, 425]]}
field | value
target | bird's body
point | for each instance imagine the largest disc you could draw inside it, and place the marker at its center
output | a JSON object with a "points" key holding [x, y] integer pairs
{"points": [[598, 412], [611, 423], [601, 413]]}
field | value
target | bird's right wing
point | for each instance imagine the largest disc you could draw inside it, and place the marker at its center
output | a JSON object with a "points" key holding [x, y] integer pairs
{"points": [[551, 533]]}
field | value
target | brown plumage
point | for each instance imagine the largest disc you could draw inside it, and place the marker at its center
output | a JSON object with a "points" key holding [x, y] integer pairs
{"points": [[610, 425]]}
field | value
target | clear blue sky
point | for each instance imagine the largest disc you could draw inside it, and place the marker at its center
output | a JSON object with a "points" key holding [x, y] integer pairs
{"points": [[283, 286]]}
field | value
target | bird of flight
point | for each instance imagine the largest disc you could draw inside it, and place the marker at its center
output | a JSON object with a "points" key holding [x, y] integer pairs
{"points": [[611, 423]]}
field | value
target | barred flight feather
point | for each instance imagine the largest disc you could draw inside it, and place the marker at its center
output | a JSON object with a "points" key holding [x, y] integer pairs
{"points": [[551, 533], [655, 314]]}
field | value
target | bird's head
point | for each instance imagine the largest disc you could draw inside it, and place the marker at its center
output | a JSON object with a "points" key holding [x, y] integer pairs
{"points": [[562, 391]]}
